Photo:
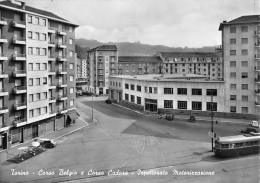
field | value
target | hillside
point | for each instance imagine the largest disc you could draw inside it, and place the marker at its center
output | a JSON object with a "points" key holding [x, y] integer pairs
{"points": [[138, 49]]}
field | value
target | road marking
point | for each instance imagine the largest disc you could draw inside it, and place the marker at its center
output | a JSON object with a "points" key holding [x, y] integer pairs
{"points": [[131, 110], [83, 120]]}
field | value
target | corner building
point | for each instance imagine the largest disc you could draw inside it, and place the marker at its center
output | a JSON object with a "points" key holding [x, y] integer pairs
{"points": [[37, 67]]}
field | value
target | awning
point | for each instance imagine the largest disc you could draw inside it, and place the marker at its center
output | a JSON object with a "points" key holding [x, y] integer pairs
{"points": [[73, 115]]}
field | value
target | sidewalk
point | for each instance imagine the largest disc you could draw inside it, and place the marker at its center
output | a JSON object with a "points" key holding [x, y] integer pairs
{"points": [[80, 123], [198, 118]]}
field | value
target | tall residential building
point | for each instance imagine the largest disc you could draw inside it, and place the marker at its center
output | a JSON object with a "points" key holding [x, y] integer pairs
{"points": [[37, 66], [131, 65], [81, 79], [241, 54], [202, 63], [102, 62]]}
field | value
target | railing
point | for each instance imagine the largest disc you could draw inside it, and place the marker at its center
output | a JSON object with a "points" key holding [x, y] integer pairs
{"points": [[20, 120], [61, 109], [20, 87], [20, 72], [19, 22], [257, 91], [62, 70], [20, 104], [81, 79], [257, 67], [19, 55], [19, 39], [50, 42], [62, 83], [61, 43], [257, 56]]}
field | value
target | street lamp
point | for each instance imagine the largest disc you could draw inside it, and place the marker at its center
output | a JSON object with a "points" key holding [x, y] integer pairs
{"points": [[212, 131]]}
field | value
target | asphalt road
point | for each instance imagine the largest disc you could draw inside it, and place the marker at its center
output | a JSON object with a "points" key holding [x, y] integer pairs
{"points": [[125, 141]]}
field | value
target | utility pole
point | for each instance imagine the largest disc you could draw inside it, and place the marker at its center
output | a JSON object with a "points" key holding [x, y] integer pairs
{"points": [[92, 108], [212, 131]]}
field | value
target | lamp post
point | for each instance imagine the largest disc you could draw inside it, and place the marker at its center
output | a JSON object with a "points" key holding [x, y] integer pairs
{"points": [[212, 130]]}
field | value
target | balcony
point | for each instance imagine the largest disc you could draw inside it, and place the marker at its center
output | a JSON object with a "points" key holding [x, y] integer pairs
{"points": [[3, 57], [3, 75], [4, 109], [51, 44], [62, 110], [51, 30], [52, 113], [62, 97], [19, 24], [51, 58], [257, 68], [51, 72], [257, 104], [62, 58], [62, 85], [19, 57], [257, 92], [61, 45], [257, 80], [20, 73], [19, 40], [257, 56], [20, 89], [100, 74], [3, 92], [3, 21], [20, 106], [61, 71], [81, 80], [52, 99], [61, 32], [52, 86], [3, 39], [19, 122]]}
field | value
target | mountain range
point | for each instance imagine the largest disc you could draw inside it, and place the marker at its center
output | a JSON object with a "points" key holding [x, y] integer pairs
{"points": [[135, 49]]}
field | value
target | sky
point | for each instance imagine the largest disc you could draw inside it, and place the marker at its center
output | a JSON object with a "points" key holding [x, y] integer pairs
{"points": [[173, 23]]}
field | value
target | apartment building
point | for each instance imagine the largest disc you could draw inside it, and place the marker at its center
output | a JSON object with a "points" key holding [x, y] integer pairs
{"points": [[241, 55], [202, 63], [102, 62], [132, 65], [37, 67], [81, 79]]}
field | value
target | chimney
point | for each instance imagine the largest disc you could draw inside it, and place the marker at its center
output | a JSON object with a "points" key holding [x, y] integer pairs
{"points": [[23, 5]]}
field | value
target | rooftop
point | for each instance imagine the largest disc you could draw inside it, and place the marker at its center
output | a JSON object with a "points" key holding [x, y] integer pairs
{"points": [[240, 20], [105, 48], [168, 77], [138, 59], [189, 54], [33, 10]]}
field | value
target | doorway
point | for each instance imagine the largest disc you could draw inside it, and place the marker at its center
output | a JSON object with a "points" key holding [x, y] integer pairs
{"points": [[151, 105], [34, 131], [4, 140]]}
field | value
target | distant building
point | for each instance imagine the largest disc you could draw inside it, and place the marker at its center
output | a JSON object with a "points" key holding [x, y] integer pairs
{"points": [[82, 80], [102, 62]]}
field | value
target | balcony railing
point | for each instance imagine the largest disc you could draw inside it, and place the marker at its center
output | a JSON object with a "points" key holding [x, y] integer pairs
{"points": [[20, 72], [257, 79], [19, 56], [20, 120], [19, 39], [257, 56], [257, 103], [257, 67], [19, 23], [257, 91], [62, 110]]}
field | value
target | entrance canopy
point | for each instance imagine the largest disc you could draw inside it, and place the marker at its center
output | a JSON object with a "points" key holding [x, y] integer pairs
{"points": [[73, 115]]}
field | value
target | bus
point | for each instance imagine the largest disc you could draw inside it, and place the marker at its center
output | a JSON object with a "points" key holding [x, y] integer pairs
{"points": [[239, 145]]}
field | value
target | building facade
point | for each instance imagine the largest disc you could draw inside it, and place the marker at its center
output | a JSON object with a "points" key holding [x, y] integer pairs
{"points": [[207, 64], [102, 62], [37, 73], [241, 54], [132, 65]]}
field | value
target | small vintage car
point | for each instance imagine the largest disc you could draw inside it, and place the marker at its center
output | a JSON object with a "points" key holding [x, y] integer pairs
{"points": [[47, 143]]}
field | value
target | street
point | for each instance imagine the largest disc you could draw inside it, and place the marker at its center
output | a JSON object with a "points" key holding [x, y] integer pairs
{"points": [[127, 142]]}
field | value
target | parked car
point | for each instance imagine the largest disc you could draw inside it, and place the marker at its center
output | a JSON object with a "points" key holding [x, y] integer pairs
{"points": [[47, 143], [79, 92], [86, 93], [250, 129], [108, 102]]}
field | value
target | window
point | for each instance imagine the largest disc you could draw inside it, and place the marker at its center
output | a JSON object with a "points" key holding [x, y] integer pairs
{"points": [[233, 97], [168, 90], [37, 68], [233, 41], [37, 21], [44, 80], [244, 40], [233, 29], [132, 98], [233, 109], [182, 104], [126, 97], [196, 91], [38, 96], [31, 98], [138, 88], [211, 106], [44, 96], [38, 51], [233, 75], [44, 66], [71, 90], [182, 91], [43, 37], [70, 41], [44, 51], [37, 81], [244, 75], [244, 86], [72, 102], [70, 29], [244, 98], [29, 19], [71, 53], [244, 63], [44, 22], [37, 34], [126, 86], [233, 63], [213, 92], [132, 87], [31, 82], [244, 52], [31, 113], [168, 104], [233, 86], [29, 34], [233, 52], [37, 112], [71, 66], [150, 89], [145, 89], [155, 90], [72, 78], [245, 110], [30, 50], [44, 110], [30, 67], [244, 28], [196, 105]]}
